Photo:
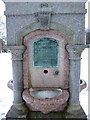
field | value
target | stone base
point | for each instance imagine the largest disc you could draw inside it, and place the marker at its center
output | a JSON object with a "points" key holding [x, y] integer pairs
{"points": [[20, 112], [46, 119], [53, 115], [17, 111], [75, 111]]}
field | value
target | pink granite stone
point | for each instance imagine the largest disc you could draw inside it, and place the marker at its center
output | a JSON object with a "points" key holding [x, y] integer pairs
{"points": [[46, 105], [83, 85], [34, 76]]}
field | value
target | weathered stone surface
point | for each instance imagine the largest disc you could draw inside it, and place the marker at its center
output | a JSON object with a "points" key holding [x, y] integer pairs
{"points": [[63, 22], [75, 111], [75, 57], [46, 105], [17, 111], [44, 15], [37, 76], [75, 21], [16, 8]]}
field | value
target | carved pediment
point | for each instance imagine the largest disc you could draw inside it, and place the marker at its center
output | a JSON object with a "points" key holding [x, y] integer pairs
{"points": [[43, 16]]}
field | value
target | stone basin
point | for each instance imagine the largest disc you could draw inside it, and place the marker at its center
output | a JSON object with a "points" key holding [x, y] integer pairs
{"points": [[45, 93], [46, 100]]}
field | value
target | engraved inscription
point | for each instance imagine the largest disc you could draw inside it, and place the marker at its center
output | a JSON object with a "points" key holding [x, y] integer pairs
{"points": [[45, 52]]}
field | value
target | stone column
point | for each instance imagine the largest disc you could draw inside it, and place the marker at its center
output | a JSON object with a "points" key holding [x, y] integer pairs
{"points": [[74, 80], [18, 109]]}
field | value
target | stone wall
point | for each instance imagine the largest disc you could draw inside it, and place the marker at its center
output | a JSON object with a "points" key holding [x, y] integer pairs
{"points": [[68, 14]]}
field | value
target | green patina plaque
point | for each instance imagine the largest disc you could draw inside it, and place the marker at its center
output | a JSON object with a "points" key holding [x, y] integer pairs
{"points": [[45, 52]]}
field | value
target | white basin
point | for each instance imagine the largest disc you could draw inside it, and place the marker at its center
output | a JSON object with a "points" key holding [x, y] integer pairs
{"points": [[45, 93]]}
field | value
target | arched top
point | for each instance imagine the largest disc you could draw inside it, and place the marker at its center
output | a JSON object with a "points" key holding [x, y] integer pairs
{"points": [[60, 28]]}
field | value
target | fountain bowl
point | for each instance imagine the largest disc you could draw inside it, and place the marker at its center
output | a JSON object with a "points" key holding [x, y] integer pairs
{"points": [[45, 93], [46, 100]]}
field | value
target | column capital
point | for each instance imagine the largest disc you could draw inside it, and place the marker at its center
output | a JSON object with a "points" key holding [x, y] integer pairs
{"points": [[17, 52], [75, 51]]}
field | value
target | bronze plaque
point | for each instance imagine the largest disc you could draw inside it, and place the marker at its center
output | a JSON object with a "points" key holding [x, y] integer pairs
{"points": [[45, 52]]}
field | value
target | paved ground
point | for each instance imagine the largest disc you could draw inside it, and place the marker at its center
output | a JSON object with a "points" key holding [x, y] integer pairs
{"points": [[6, 96]]}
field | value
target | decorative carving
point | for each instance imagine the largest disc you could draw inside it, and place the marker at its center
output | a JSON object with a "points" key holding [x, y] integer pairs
{"points": [[75, 51], [43, 16], [17, 52]]}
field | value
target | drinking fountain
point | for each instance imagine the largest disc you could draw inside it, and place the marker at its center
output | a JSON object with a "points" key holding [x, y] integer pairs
{"points": [[46, 40]]}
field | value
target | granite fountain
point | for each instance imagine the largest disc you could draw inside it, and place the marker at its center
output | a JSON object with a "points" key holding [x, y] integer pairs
{"points": [[46, 41]]}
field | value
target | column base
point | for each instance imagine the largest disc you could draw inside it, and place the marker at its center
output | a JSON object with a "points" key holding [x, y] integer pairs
{"points": [[75, 111], [17, 111], [20, 112]]}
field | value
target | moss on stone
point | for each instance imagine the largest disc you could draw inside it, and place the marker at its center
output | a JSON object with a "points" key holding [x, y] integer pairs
{"points": [[64, 30], [55, 26], [49, 115], [29, 79]]}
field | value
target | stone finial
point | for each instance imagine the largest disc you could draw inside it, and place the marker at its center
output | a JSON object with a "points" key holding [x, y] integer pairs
{"points": [[43, 16]]}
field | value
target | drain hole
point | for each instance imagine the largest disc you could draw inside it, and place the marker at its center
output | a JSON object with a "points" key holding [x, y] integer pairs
{"points": [[45, 71]]}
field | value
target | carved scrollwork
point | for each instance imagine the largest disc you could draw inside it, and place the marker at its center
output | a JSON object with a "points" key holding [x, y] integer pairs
{"points": [[17, 52], [75, 51], [43, 16]]}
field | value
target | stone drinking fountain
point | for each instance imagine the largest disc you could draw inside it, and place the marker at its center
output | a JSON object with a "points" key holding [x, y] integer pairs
{"points": [[46, 41]]}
